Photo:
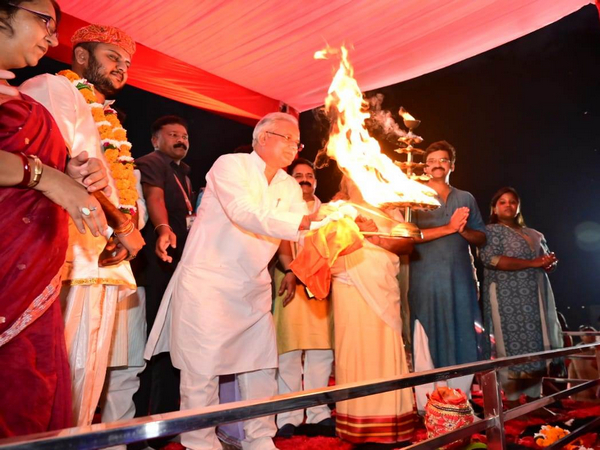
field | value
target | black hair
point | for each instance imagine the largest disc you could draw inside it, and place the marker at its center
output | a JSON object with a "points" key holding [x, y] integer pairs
{"points": [[506, 190], [89, 46], [298, 162], [167, 120], [441, 146]]}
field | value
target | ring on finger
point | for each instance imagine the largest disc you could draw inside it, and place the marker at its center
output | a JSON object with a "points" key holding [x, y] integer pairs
{"points": [[85, 211]]}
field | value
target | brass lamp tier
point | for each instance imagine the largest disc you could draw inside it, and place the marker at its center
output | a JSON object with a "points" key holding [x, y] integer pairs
{"points": [[410, 149], [409, 166]]}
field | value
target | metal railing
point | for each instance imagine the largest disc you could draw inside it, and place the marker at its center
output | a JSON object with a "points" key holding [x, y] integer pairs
{"points": [[128, 431]]}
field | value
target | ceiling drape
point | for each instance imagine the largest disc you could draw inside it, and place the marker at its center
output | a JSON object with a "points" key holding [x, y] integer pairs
{"points": [[243, 58]]}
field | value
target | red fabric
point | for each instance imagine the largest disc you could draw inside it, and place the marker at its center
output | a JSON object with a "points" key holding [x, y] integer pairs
{"points": [[33, 245], [104, 34], [206, 53], [35, 379], [446, 410], [169, 77], [34, 236]]}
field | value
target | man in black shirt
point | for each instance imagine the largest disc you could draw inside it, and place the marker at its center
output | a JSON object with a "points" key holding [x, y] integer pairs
{"points": [[168, 193]]}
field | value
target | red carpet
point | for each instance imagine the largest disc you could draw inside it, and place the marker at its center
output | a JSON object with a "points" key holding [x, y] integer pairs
{"points": [[519, 433]]}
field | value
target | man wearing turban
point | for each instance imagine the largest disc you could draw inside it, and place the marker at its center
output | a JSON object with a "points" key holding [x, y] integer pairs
{"points": [[91, 290]]}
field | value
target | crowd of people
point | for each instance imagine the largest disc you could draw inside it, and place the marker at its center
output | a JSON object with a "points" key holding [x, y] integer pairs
{"points": [[95, 312]]}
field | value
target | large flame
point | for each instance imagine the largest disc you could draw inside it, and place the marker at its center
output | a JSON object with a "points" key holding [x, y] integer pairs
{"points": [[359, 156]]}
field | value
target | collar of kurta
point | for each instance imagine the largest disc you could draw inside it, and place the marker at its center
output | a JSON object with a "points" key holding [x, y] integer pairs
{"points": [[262, 165]]}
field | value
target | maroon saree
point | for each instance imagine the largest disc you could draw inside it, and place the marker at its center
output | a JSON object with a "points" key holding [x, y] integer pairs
{"points": [[34, 372]]}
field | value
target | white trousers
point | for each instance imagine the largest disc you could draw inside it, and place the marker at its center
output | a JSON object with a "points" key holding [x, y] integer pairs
{"points": [[316, 371], [117, 399], [422, 361], [198, 391], [89, 313]]}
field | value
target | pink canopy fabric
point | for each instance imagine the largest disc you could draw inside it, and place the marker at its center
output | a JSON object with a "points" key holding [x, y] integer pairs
{"points": [[242, 58]]}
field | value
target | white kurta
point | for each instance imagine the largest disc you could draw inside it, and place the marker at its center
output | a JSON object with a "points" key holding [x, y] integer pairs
{"points": [[90, 293], [77, 126], [220, 320]]}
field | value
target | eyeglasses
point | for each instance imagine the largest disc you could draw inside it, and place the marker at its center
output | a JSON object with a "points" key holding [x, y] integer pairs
{"points": [[297, 144], [185, 137], [49, 21], [432, 161]]}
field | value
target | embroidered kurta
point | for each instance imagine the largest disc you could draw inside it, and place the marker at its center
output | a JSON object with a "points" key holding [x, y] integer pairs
{"points": [[520, 302], [442, 292], [220, 295]]}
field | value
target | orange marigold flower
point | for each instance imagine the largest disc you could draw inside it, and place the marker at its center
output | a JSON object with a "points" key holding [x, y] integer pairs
{"points": [[114, 121], [69, 74], [89, 96], [98, 114], [111, 155], [120, 134]]}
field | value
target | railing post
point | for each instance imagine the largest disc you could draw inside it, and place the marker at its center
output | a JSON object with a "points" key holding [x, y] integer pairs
{"points": [[492, 408]]}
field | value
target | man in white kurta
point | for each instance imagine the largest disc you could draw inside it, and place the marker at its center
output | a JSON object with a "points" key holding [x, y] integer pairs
{"points": [[90, 293], [220, 294]]}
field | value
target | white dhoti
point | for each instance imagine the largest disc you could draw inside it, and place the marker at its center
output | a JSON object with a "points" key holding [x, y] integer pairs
{"points": [[89, 313], [126, 358]]}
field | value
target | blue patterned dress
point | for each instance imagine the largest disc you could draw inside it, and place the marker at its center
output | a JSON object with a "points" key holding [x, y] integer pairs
{"points": [[442, 291], [521, 301]]}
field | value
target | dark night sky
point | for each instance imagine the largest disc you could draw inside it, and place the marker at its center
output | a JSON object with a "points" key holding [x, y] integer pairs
{"points": [[526, 114]]}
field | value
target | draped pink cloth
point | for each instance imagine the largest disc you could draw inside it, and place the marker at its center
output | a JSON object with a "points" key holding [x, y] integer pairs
{"points": [[243, 58], [33, 245]]}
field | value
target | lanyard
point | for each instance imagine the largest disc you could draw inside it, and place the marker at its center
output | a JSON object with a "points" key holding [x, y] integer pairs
{"points": [[188, 204]]}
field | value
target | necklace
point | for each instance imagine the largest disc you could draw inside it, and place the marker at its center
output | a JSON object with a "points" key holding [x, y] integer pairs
{"points": [[113, 138]]}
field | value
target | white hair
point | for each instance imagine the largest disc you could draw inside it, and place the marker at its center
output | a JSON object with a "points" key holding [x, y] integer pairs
{"points": [[268, 120]]}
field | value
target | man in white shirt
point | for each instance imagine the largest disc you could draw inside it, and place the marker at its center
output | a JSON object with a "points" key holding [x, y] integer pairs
{"points": [[221, 319]]}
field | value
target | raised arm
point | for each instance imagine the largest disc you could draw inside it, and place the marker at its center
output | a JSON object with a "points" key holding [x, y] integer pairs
{"points": [[230, 182]]}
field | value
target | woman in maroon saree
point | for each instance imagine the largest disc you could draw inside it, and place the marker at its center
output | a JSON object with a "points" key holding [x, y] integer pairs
{"points": [[35, 392]]}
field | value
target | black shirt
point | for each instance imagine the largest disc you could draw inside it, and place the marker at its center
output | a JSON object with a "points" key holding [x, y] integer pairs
{"points": [[160, 170]]}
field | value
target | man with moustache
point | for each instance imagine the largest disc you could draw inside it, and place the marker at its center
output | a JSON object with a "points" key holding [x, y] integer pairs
{"points": [[217, 308], [168, 193], [303, 327], [101, 55], [442, 291]]}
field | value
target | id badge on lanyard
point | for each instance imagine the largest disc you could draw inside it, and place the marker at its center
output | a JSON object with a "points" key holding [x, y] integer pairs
{"points": [[189, 219]]}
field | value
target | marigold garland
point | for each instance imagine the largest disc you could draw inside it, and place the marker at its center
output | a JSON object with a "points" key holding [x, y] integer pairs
{"points": [[115, 146]]}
